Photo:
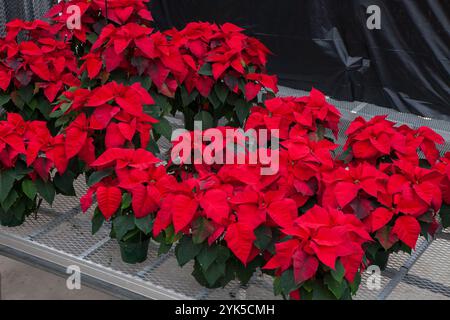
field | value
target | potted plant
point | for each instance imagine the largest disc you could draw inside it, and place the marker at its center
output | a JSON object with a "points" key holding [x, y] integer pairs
{"points": [[35, 70], [128, 185], [29, 155], [382, 181]]}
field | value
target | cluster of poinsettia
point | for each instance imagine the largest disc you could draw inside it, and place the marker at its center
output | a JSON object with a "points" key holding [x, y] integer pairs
{"points": [[383, 181], [215, 53], [313, 224], [36, 70], [42, 61], [28, 155], [136, 171], [296, 116], [204, 67], [109, 116], [231, 219], [129, 186], [32, 140], [90, 11]]}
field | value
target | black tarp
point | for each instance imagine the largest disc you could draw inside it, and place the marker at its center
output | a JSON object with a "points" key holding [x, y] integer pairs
{"points": [[327, 44]]}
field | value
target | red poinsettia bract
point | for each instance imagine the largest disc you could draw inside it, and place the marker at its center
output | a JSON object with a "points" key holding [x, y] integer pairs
{"points": [[321, 237]]}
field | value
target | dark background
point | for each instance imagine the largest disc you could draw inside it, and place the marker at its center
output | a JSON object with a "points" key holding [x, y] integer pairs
{"points": [[326, 44]]}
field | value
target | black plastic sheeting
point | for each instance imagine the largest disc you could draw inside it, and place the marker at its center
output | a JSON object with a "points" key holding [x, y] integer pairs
{"points": [[326, 44]]}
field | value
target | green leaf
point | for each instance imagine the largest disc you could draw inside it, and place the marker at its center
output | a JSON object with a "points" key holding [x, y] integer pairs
{"points": [[4, 99], [153, 147], [206, 119], [170, 235], [126, 201], [207, 256], [19, 210], [201, 230], [122, 225], [17, 100], [163, 103], [445, 216], [245, 273], [355, 284], [10, 200], [26, 93], [242, 109], [339, 273], [186, 250], [145, 224], [287, 282], [263, 237], [164, 128], [214, 273], [7, 179], [98, 176], [206, 70], [221, 91], [187, 98], [146, 83], [92, 37], [29, 188], [46, 190], [63, 120], [320, 292], [21, 170], [164, 248], [214, 100], [336, 287], [64, 183], [44, 106], [223, 254], [97, 221]]}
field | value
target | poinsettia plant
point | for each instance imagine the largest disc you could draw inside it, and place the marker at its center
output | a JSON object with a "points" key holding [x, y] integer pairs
{"points": [[385, 183], [32, 167], [443, 167], [291, 116], [129, 185], [93, 16], [109, 116], [34, 71], [320, 257], [225, 72], [228, 217]]}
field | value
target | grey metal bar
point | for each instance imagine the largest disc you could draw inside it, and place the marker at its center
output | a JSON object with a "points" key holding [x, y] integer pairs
{"points": [[61, 259], [94, 247], [387, 290], [155, 264], [55, 222]]}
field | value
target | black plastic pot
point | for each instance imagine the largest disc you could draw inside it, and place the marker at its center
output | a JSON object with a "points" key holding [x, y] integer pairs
{"points": [[381, 259], [134, 251], [9, 219]]}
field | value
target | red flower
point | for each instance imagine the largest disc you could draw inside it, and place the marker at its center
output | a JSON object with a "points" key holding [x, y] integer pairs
{"points": [[415, 190], [48, 63], [300, 115], [323, 236], [118, 11], [118, 111], [343, 186], [371, 140]]}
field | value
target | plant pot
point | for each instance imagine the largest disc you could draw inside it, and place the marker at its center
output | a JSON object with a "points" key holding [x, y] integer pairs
{"points": [[381, 259], [134, 251], [9, 219]]}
